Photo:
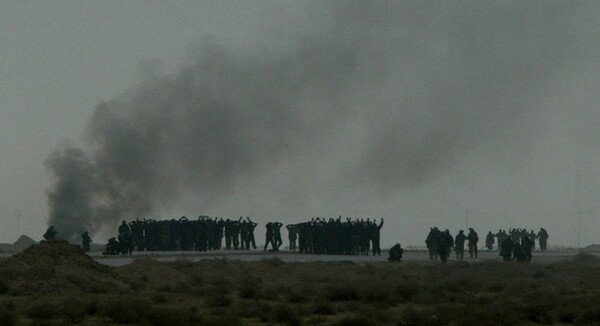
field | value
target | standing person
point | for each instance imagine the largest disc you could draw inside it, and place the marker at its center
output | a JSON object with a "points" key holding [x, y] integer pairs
{"points": [[532, 237], [86, 240], [473, 239], [250, 235], [527, 245], [292, 235], [243, 233], [444, 245], [432, 242], [269, 236], [277, 241], [506, 248], [375, 234], [543, 238], [459, 245], [489, 241]]}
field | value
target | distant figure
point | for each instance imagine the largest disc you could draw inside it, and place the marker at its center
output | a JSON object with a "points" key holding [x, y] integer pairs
{"points": [[125, 240], [506, 248], [459, 245], [374, 234], [292, 235], [124, 228], [489, 241], [395, 253], [250, 236], [277, 241], [527, 246], [269, 236], [50, 233], [543, 238], [444, 245], [519, 253], [532, 237], [86, 240], [112, 247], [473, 238], [432, 242]]}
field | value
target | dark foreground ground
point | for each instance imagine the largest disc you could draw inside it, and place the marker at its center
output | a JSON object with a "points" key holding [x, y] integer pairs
{"points": [[54, 283]]}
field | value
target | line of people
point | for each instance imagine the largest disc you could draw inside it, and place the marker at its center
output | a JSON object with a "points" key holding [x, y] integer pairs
{"points": [[202, 234], [440, 243], [336, 236], [517, 245], [518, 235], [318, 236]]}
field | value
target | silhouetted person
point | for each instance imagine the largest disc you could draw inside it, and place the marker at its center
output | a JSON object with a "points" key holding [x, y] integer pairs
{"points": [[444, 244], [519, 255], [506, 248], [277, 241], [395, 253], [250, 236], [527, 246], [459, 245], [124, 228], [489, 241], [532, 237], [50, 233], [86, 240], [543, 238], [269, 236], [432, 242], [473, 238], [292, 235], [375, 234], [112, 247]]}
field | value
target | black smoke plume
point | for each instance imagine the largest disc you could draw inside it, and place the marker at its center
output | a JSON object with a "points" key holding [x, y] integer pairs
{"points": [[376, 96]]}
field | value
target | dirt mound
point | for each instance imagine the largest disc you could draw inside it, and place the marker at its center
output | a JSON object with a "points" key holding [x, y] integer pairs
{"points": [[23, 243], [19, 245], [592, 248], [54, 266], [55, 252]]}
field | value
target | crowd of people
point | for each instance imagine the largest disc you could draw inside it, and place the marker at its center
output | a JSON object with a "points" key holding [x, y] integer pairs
{"points": [[336, 236], [517, 244], [316, 236], [203, 234]]}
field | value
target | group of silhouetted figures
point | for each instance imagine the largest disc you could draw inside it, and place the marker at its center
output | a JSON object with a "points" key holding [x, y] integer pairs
{"points": [[317, 236], [516, 245], [336, 236], [202, 234]]}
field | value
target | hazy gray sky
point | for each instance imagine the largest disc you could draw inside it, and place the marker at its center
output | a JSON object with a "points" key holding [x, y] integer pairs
{"points": [[413, 111]]}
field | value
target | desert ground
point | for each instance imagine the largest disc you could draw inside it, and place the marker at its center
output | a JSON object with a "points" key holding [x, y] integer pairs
{"points": [[55, 283], [410, 255]]}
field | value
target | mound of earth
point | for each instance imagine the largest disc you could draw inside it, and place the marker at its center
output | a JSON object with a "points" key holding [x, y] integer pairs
{"points": [[18, 246], [592, 248], [23, 243], [55, 266]]}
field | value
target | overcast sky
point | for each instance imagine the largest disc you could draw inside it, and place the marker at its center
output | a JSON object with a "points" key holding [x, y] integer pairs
{"points": [[423, 113]]}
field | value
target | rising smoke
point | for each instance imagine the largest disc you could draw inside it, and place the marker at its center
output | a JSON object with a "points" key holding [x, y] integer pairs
{"points": [[383, 96]]}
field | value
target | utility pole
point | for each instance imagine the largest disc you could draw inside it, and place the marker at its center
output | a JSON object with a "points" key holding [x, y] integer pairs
{"points": [[18, 223], [467, 214], [579, 243], [579, 209]]}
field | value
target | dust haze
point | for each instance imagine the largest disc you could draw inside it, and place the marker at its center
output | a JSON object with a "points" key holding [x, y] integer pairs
{"points": [[423, 113]]}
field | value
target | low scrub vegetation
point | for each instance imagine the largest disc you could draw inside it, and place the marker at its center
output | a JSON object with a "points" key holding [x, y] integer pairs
{"points": [[276, 293]]}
